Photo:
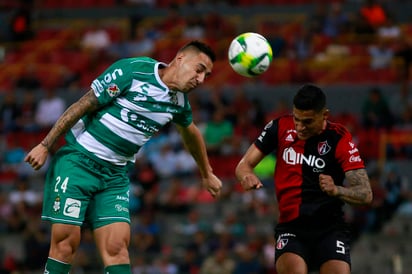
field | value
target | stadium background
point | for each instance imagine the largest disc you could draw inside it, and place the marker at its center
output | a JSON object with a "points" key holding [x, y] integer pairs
{"points": [[56, 48]]}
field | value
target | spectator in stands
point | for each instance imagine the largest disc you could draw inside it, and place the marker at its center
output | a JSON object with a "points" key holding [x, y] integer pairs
{"points": [[218, 132], [376, 112], [141, 265], [164, 264], [302, 47], [20, 24], [185, 165], [95, 39], [36, 245], [390, 30], [190, 262], [145, 242], [28, 109], [403, 53], [200, 243], [405, 119], [381, 54], [232, 224], [244, 132], [247, 260], [367, 219], [361, 27], [268, 255], [9, 113], [141, 45], [218, 262], [336, 21], [6, 209], [176, 197], [49, 109], [195, 28], [164, 162], [316, 20], [172, 24], [13, 155], [28, 79], [145, 175], [87, 260], [23, 198], [374, 13], [237, 103], [397, 191]]}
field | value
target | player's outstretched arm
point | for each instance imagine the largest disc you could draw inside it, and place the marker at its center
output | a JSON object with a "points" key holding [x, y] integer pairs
{"points": [[38, 155], [244, 169], [194, 143]]}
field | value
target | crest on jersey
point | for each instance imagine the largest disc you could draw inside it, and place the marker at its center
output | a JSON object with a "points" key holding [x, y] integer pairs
{"points": [[113, 90], [323, 147], [281, 243]]}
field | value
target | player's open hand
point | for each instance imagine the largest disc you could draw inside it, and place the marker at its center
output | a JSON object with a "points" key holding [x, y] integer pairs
{"points": [[327, 185], [250, 181], [213, 184], [37, 156]]}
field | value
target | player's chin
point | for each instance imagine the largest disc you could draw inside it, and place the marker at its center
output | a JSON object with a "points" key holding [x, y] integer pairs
{"points": [[190, 88], [186, 89], [303, 136]]}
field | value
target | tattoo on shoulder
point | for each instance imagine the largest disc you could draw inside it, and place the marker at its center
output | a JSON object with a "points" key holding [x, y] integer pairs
{"points": [[357, 177]]}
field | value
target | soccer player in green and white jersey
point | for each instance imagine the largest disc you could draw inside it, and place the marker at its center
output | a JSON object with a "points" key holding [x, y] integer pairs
{"points": [[87, 179]]}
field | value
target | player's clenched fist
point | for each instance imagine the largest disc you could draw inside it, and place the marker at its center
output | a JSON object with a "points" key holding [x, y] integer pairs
{"points": [[327, 185], [250, 181]]}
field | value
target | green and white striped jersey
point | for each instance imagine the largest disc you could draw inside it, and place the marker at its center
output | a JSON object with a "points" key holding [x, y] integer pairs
{"points": [[135, 104]]}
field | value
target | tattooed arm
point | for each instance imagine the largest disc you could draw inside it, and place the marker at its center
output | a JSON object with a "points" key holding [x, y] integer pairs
{"points": [[86, 104], [358, 192]]}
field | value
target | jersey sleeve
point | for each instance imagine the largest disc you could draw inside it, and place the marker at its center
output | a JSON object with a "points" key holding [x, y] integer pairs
{"points": [[348, 154], [112, 82], [184, 118], [268, 138]]}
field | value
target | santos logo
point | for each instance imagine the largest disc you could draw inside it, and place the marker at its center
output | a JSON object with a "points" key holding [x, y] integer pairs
{"points": [[292, 158], [72, 208]]}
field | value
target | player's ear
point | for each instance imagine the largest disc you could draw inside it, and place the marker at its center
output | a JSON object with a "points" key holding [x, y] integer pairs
{"points": [[326, 113], [179, 56]]}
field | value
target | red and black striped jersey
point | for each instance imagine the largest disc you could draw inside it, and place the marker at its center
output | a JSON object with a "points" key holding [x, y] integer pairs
{"points": [[299, 163]]}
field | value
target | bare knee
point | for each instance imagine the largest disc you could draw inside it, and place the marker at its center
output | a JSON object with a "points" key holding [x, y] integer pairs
{"points": [[289, 263]]}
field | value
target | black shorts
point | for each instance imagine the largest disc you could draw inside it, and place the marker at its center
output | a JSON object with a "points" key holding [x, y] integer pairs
{"points": [[315, 245]]}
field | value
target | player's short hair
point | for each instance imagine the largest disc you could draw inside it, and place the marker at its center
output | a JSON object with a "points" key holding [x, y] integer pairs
{"points": [[310, 97], [200, 46]]}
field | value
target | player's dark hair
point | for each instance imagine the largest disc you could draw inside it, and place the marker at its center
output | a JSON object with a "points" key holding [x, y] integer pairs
{"points": [[200, 46], [310, 97]]}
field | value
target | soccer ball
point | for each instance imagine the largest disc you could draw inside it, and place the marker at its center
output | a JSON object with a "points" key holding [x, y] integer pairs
{"points": [[250, 54]]}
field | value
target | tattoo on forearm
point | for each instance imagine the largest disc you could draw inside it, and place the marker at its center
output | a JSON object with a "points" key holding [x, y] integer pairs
{"points": [[84, 105], [359, 190]]}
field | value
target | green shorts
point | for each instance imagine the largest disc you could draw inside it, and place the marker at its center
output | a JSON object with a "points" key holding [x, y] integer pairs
{"points": [[80, 189]]}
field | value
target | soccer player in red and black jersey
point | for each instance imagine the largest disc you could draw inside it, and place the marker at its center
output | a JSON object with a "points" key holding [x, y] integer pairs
{"points": [[318, 169]]}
